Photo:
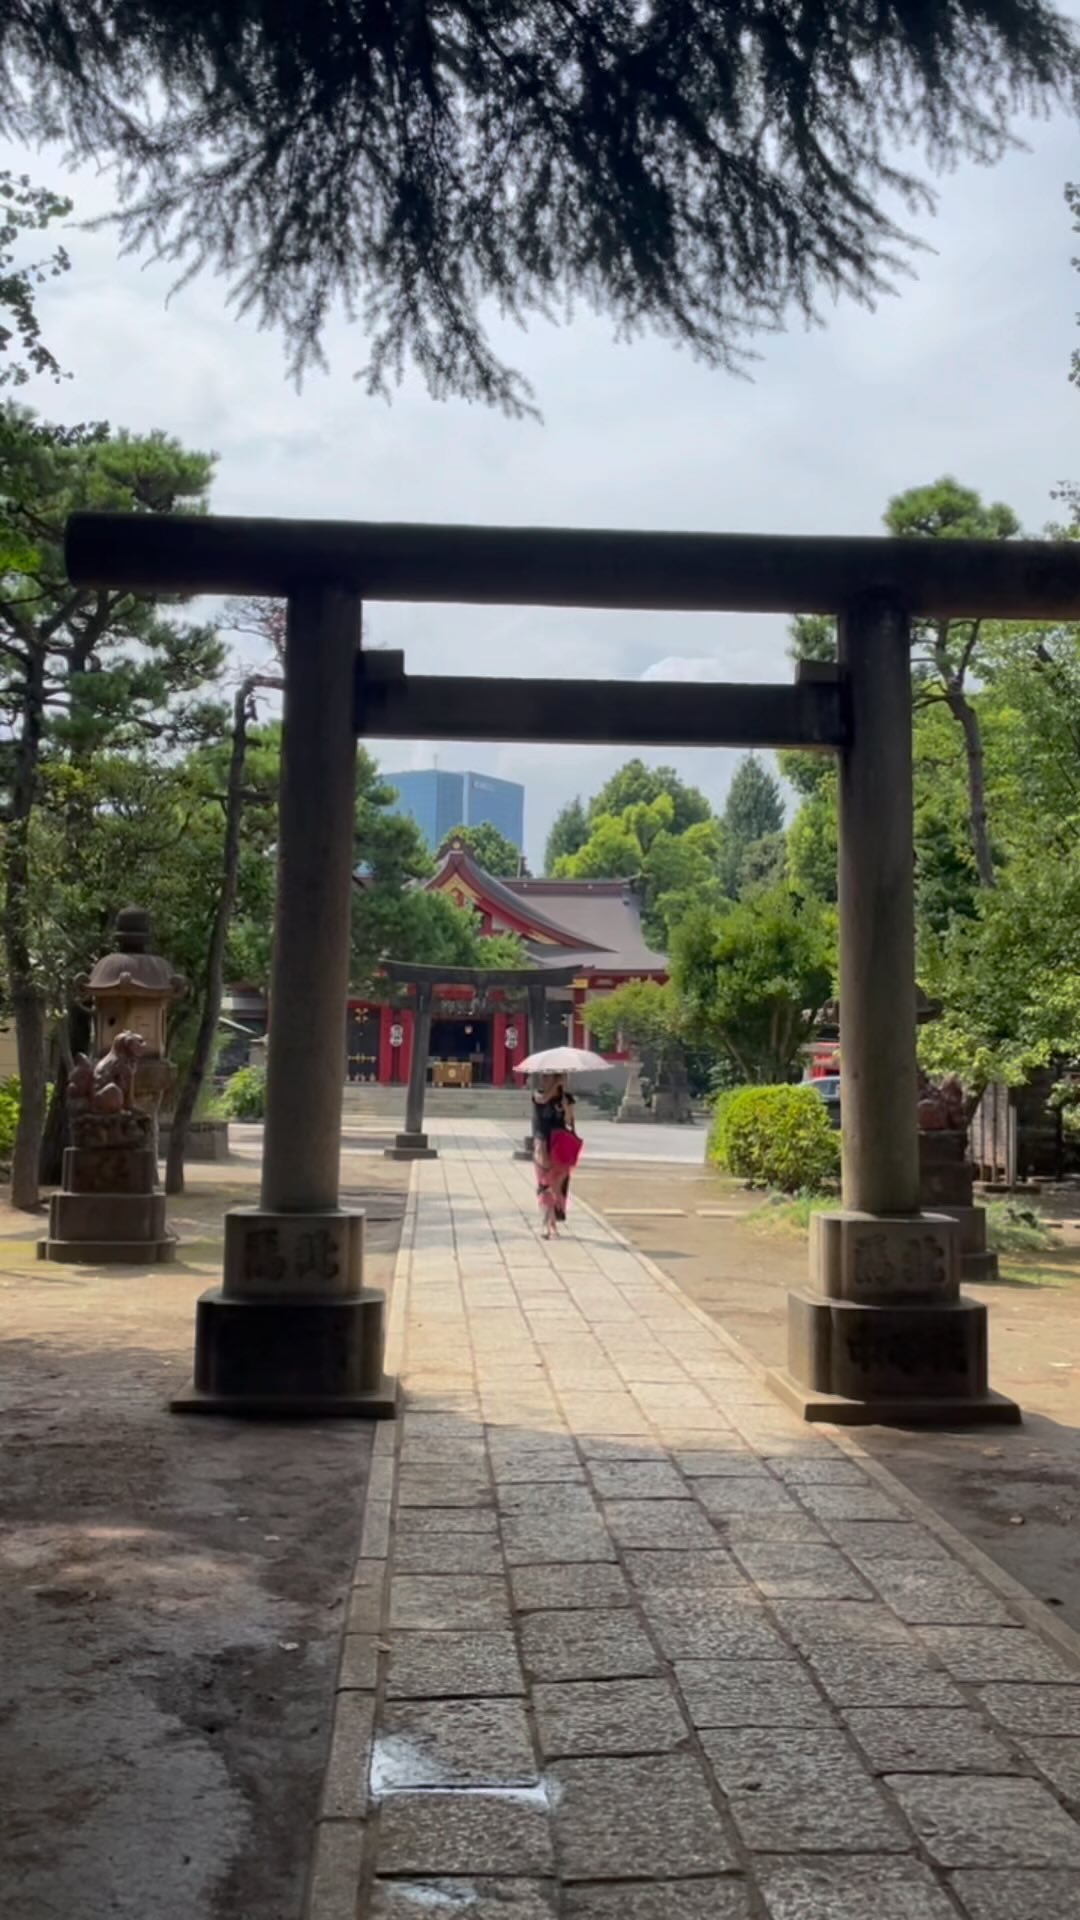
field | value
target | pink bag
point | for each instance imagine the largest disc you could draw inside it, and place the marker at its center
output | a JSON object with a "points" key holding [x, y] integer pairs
{"points": [[565, 1148]]}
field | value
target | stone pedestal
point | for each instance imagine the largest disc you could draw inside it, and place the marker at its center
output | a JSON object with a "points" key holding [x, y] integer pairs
{"points": [[885, 1335], [291, 1332], [527, 1149], [111, 1211], [946, 1183], [411, 1146]]}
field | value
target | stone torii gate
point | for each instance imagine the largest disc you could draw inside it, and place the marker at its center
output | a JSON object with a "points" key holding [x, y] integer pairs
{"points": [[412, 1144], [883, 1334]]}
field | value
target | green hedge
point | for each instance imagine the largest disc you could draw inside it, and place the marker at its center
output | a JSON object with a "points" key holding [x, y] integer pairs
{"points": [[775, 1137], [244, 1096]]}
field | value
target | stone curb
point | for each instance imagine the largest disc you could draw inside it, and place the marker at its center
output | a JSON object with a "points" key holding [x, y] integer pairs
{"points": [[338, 1839]]}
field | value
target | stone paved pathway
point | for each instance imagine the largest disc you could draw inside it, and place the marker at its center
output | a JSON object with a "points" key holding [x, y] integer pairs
{"points": [[627, 1642]]}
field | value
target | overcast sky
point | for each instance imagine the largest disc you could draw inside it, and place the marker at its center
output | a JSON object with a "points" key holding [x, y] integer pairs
{"points": [[965, 372]]}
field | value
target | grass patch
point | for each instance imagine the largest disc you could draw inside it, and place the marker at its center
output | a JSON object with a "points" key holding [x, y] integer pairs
{"points": [[1012, 1227], [785, 1213]]}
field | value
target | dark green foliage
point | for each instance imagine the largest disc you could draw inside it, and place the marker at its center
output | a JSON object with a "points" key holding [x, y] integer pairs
{"points": [[569, 832], [686, 167], [636, 785], [775, 1137], [244, 1095], [490, 848]]}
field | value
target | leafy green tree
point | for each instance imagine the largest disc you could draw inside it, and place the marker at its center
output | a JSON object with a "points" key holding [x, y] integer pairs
{"points": [[420, 165], [83, 672], [671, 869], [648, 1018], [755, 978], [569, 832], [945, 652], [636, 785], [26, 211], [495, 853], [611, 852]]}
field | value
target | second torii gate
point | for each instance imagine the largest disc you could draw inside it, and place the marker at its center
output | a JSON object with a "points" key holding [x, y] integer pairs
{"points": [[883, 1333]]}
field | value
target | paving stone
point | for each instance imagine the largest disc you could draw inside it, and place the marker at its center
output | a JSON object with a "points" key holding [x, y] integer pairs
{"points": [[441, 1450], [771, 1528], [980, 1822], [345, 1782], [930, 1593], [546, 1538], [608, 1717], [452, 1743], [883, 1677], [979, 1655], [885, 1540], [846, 1889], [619, 1446], [584, 1584], [929, 1740], [832, 1502], [638, 1480], [797, 1572], [444, 1665], [671, 1900], [658, 1523], [840, 1623], [723, 1627], [1023, 1894], [1034, 1708], [448, 1553], [1060, 1761], [571, 1503], [590, 1645], [453, 1899], [465, 1833], [750, 1693], [818, 1469], [792, 1791], [537, 1467], [736, 1461], [641, 1819], [454, 1600], [435, 1486], [696, 1570], [740, 1494], [421, 1523]]}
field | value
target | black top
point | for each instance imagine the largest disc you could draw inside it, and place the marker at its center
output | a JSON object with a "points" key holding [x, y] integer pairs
{"points": [[549, 1115]]}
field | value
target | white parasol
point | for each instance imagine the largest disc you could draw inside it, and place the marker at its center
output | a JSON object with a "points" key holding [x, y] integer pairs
{"points": [[564, 1060]]}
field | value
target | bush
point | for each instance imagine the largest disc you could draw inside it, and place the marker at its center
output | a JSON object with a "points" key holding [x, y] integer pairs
{"points": [[775, 1137], [9, 1116], [244, 1096]]}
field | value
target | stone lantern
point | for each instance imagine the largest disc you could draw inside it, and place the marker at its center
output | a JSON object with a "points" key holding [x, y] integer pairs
{"points": [[131, 991]]}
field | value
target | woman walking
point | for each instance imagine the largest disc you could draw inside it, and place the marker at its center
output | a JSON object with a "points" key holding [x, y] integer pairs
{"points": [[552, 1115]]}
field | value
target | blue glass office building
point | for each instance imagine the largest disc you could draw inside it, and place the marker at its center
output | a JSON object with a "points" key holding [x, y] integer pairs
{"points": [[439, 800]]}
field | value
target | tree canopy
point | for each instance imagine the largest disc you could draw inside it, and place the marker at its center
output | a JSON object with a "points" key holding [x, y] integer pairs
{"points": [[495, 853], [693, 169]]}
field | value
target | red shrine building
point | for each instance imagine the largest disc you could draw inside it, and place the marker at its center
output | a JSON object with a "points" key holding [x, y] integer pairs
{"points": [[590, 926]]}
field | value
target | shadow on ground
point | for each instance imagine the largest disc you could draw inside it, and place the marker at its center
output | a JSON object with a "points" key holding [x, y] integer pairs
{"points": [[171, 1595]]}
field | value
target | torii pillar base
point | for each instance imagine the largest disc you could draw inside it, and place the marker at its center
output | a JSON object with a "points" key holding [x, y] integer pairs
{"points": [[886, 1338]]}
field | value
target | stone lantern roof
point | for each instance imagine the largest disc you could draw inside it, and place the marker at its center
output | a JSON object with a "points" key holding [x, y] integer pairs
{"points": [[133, 969]]}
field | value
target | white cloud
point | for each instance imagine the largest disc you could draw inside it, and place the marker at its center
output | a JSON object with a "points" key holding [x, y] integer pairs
{"points": [[966, 371]]}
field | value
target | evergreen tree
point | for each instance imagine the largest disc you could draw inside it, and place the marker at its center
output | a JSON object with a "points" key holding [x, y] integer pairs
{"points": [[694, 169]]}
